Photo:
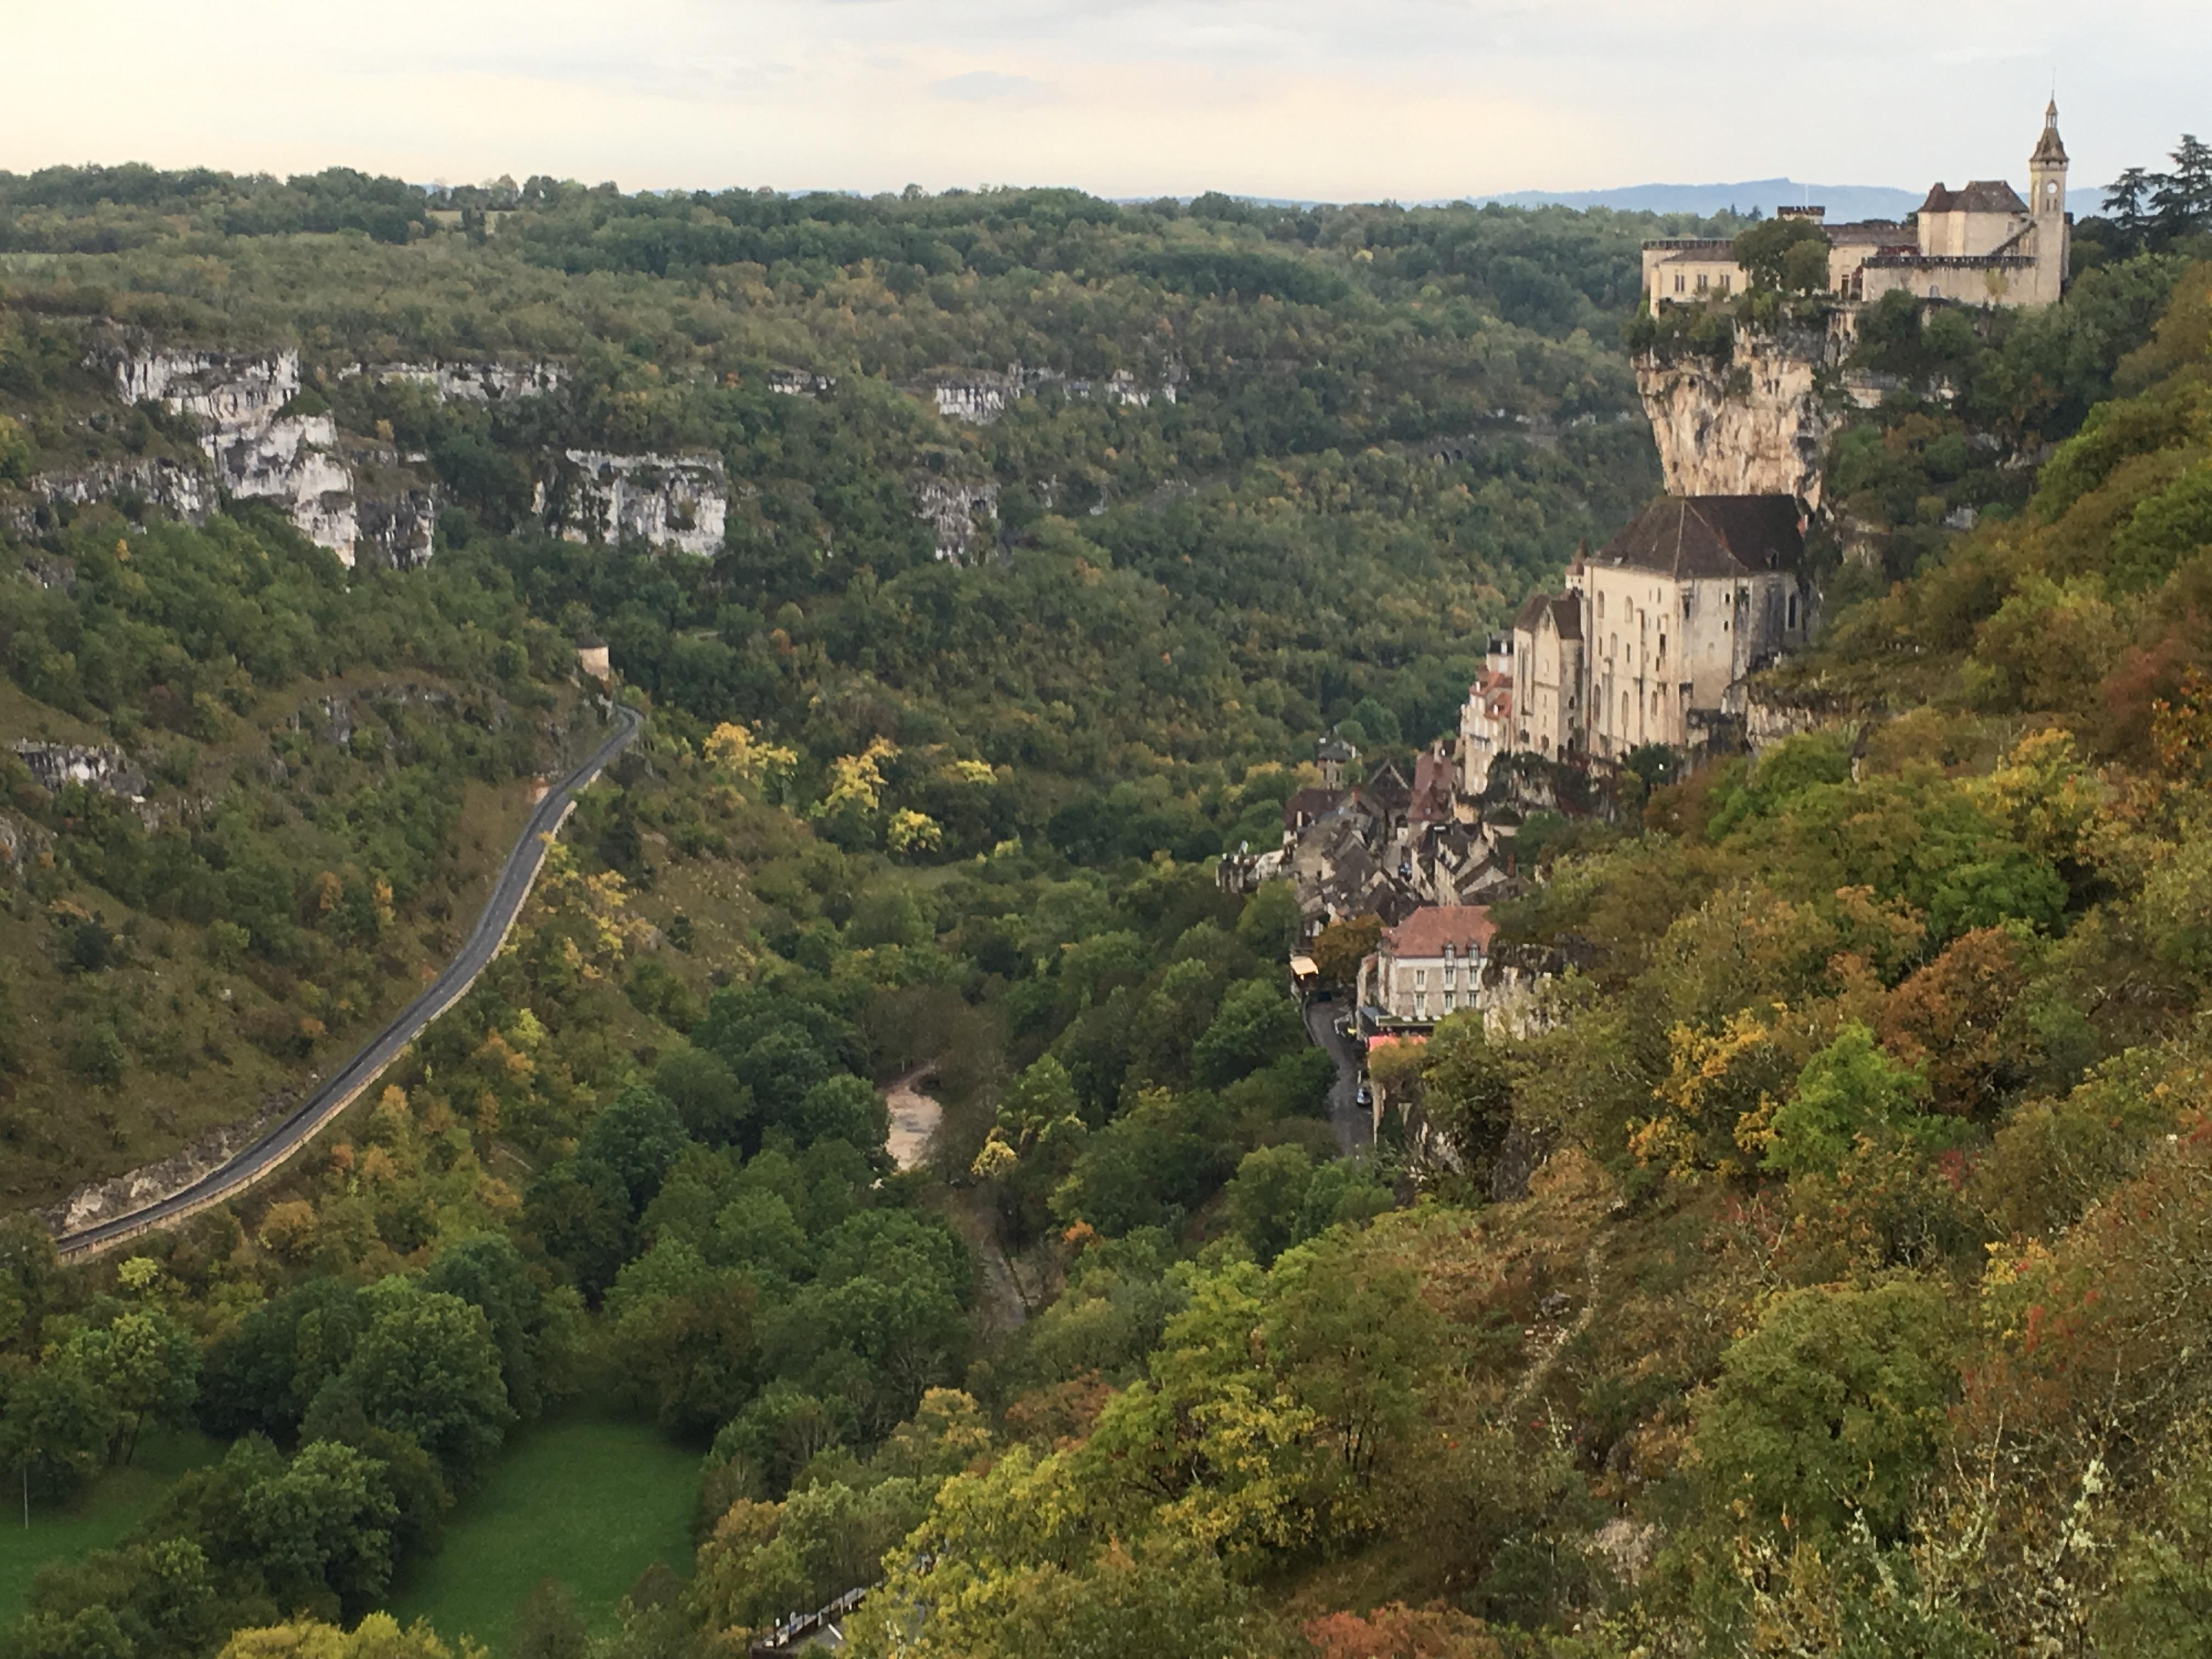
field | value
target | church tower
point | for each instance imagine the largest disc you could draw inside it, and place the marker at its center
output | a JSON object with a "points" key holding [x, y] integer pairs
{"points": [[2046, 173]]}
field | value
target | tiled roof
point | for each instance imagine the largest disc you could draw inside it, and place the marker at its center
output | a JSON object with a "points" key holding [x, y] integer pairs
{"points": [[1711, 536], [1982, 196], [2048, 147], [1429, 929]]}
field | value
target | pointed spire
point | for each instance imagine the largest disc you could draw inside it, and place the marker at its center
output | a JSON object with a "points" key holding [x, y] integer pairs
{"points": [[2049, 148]]}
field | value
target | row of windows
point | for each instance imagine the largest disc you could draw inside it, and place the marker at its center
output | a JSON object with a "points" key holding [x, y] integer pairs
{"points": [[1704, 282]]}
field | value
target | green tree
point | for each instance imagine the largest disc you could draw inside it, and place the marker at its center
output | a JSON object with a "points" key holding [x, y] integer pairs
{"points": [[426, 1365], [1833, 1407], [1256, 1023], [1267, 1199], [325, 1522], [1851, 1089], [1787, 253]]}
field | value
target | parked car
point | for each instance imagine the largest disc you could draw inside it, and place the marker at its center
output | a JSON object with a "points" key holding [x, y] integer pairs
{"points": [[1366, 1096]]}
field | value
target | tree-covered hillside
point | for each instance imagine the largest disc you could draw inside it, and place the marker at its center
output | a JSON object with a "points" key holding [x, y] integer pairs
{"points": [[1847, 1307]]}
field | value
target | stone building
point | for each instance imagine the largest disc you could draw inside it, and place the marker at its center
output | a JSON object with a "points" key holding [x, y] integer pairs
{"points": [[1981, 245], [1429, 965], [1548, 673], [1653, 638], [1485, 722], [1680, 606]]}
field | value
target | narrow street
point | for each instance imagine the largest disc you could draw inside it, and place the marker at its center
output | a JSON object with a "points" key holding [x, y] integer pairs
{"points": [[1354, 1126]]}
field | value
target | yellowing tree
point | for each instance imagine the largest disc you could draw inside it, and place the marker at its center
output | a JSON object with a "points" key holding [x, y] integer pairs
{"points": [[734, 747]]}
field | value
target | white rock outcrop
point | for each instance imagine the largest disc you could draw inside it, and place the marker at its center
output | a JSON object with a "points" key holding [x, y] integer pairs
{"points": [[980, 396], [679, 501], [1757, 424], [475, 383], [238, 401], [954, 510], [176, 487]]}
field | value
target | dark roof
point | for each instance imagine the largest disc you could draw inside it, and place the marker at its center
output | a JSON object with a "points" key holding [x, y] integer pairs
{"points": [[1312, 804], [2048, 147], [1387, 789], [1708, 536], [1982, 196], [589, 643], [1333, 748], [1566, 614]]}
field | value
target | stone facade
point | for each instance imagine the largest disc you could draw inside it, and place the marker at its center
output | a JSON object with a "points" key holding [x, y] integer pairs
{"points": [[1656, 632], [1427, 968], [1549, 669]]}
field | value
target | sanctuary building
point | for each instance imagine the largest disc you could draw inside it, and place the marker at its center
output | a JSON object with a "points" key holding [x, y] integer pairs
{"points": [[1982, 244]]}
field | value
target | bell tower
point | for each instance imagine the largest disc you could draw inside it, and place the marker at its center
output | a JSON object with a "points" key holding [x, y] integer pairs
{"points": [[2046, 173]]}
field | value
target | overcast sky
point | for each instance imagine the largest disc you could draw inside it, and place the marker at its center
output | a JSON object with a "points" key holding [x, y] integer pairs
{"points": [[1336, 99]]}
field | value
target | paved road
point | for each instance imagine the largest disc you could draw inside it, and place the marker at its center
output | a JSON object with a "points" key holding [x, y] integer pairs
{"points": [[1353, 1123], [515, 879]]}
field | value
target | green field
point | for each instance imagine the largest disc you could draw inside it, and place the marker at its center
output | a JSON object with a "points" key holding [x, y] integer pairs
{"points": [[587, 1500], [96, 1519]]}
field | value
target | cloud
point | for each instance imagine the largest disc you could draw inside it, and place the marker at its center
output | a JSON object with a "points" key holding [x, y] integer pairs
{"points": [[1319, 98], [988, 87]]}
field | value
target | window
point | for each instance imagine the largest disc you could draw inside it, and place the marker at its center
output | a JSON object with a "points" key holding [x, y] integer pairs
{"points": [[1793, 611], [1702, 280], [1724, 281], [1678, 282], [1420, 978], [1450, 1001], [1420, 1006]]}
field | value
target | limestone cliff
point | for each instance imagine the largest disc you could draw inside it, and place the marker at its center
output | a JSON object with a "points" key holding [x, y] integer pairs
{"points": [[473, 383], [1757, 423], [239, 403], [185, 490], [679, 501], [955, 510]]}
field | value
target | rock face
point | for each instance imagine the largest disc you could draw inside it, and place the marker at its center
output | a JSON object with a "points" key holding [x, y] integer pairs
{"points": [[239, 402], [1756, 425], [954, 510], [801, 383], [396, 531], [186, 491], [58, 765], [475, 383], [980, 396], [679, 501]]}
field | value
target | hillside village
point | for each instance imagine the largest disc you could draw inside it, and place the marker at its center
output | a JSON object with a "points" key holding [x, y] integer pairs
{"points": [[1653, 646]]}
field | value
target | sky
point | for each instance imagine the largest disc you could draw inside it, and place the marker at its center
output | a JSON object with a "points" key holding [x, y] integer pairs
{"points": [[1323, 99]]}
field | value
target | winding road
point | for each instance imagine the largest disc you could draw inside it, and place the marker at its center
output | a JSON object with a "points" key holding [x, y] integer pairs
{"points": [[516, 878]]}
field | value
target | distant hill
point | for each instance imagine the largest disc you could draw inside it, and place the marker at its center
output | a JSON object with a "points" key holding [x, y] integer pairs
{"points": [[1842, 200]]}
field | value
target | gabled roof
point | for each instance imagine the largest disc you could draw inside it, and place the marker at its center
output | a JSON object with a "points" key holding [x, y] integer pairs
{"points": [[1982, 196], [1566, 614], [1711, 536], [1387, 789], [1429, 929]]}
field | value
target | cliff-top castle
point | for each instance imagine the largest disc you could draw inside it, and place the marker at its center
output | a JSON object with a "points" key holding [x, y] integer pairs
{"points": [[1980, 246]]}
